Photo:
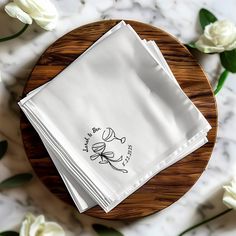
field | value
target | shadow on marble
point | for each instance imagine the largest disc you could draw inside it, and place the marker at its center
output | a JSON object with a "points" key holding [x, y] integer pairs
{"points": [[208, 60], [211, 207]]}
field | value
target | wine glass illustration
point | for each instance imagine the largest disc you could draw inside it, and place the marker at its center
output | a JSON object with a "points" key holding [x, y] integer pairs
{"points": [[109, 135], [99, 147], [106, 157]]}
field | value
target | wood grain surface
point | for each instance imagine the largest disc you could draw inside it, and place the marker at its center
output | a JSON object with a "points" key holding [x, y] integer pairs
{"points": [[169, 185]]}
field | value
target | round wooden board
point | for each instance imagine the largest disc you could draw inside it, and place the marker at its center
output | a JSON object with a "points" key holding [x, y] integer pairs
{"points": [[169, 185]]}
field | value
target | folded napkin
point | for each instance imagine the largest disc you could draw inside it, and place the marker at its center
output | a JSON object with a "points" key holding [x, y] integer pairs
{"points": [[114, 118]]}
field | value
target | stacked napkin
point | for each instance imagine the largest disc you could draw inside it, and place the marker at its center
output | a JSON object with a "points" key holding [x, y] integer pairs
{"points": [[114, 118]]}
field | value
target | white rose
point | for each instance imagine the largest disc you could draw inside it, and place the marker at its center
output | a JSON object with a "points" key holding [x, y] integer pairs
{"points": [[42, 11], [218, 37], [37, 226], [229, 198]]}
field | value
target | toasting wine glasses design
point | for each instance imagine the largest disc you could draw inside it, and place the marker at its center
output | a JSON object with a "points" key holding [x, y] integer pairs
{"points": [[109, 135], [106, 157]]}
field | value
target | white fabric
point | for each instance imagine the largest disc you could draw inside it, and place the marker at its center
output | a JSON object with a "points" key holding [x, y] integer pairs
{"points": [[143, 122]]}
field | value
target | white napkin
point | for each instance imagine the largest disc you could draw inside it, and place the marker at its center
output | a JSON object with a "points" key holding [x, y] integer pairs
{"points": [[114, 118]]}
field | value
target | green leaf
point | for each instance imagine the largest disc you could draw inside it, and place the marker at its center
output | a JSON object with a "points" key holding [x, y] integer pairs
{"points": [[228, 60], [9, 233], [16, 181], [206, 17], [221, 81], [191, 45], [3, 148], [103, 230]]}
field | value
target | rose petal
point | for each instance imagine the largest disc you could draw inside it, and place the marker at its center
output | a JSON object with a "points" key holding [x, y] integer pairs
{"points": [[31, 6], [46, 22], [231, 188], [53, 229], [229, 201], [206, 46], [14, 11], [218, 37], [231, 46], [229, 198], [24, 230], [207, 32], [25, 227], [43, 12], [37, 225]]}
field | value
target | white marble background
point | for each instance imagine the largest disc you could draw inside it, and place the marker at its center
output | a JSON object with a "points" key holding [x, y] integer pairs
{"points": [[17, 58]]}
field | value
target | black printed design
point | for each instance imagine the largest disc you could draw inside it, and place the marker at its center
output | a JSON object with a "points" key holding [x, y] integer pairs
{"points": [[107, 157], [109, 135]]}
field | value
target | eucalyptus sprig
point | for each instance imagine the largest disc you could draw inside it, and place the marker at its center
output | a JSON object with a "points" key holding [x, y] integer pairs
{"points": [[219, 36]]}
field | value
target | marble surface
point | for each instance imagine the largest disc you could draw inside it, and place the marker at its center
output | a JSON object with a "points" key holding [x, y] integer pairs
{"points": [[17, 58]]}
